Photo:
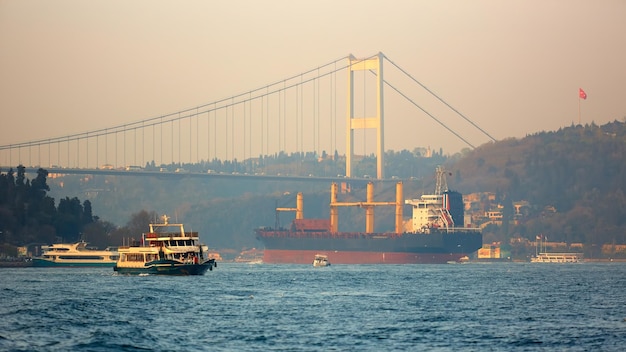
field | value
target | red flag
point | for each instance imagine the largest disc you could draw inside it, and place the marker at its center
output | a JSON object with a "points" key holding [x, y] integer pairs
{"points": [[582, 94]]}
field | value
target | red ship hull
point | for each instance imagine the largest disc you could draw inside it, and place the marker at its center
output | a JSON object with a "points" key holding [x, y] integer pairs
{"points": [[275, 256]]}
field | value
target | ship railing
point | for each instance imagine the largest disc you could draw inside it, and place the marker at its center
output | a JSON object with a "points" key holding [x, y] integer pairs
{"points": [[462, 229]]}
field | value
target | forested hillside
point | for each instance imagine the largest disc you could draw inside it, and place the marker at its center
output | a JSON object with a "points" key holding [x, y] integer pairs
{"points": [[580, 172]]}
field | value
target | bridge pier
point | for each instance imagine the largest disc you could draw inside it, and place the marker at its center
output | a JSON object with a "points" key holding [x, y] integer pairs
{"points": [[374, 63]]}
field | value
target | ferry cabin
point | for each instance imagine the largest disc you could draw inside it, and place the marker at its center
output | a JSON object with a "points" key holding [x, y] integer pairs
{"points": [[75, 254], [181, 249]]}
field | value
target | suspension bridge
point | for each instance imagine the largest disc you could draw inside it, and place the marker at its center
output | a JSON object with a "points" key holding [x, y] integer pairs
{"points": [[335, 108]]}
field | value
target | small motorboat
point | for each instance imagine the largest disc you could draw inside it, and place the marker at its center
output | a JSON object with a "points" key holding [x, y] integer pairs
{"points": [[320, 260]]}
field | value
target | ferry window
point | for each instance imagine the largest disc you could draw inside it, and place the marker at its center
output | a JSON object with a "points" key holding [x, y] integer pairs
{"points": [[181, 242], [135, 257], [187, 242]]}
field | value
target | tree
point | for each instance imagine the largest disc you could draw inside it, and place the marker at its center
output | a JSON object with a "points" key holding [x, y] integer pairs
{"points": [[87, 217]]}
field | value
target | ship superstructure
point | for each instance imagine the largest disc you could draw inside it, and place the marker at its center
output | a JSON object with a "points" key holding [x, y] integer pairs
{"points": [[439, 211]]}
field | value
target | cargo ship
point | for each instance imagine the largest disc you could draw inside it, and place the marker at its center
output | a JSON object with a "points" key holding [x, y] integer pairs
{"points": [[434, 234]]}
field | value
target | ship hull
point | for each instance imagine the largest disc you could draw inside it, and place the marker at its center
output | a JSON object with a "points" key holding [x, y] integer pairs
{"points": [[287, 247], [354, 257], [166, 268], [44, 263]]}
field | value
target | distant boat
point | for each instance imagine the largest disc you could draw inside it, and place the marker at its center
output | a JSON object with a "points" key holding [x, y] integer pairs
{"points": [[462, 260], [166, 250], [320, 260], [75, 254], [557, 258], [541, 256]]}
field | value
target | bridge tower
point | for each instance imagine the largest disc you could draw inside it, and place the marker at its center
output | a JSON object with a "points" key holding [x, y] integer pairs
{"points": [[374, 63]]}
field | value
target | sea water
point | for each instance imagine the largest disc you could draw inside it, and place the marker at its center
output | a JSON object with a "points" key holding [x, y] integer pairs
{"points": [[245, 307]]}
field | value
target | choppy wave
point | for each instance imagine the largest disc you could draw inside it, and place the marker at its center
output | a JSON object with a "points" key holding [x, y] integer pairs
{"points": [[241, 307]]}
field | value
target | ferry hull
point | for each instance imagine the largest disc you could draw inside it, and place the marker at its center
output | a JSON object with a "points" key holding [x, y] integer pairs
{"points": [[176, 269], [43, 263]]}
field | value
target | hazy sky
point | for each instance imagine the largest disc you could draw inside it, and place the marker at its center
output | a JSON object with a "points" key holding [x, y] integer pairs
{"points": [[513, 67]]}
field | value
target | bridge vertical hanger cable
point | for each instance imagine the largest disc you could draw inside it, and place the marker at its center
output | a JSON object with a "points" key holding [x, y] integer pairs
{"points": [[280, 126], [313, 122], [302, 120], [171, 142], [364, 130], [267, 122], [250, 131], [284, 115], [214, 131], [330, 112], [302, 114], [232, 130], [244, 130], [297, 110], [134, 146], [134, 158], [208, 136], [334, 106], [153, 144], [116, 164], [161, 160], [124, 148], [263, 125], [197, 141], [318, 113], [231, 140]]}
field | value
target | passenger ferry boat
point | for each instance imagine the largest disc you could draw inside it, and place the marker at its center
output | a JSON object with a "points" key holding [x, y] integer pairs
{"points": [[166, 250], [541, 256], [75, 254], [556, 258]]}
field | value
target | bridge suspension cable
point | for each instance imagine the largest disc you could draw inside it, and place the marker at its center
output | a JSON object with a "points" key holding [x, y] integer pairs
{"points": [[284, 99], [440, 99]]}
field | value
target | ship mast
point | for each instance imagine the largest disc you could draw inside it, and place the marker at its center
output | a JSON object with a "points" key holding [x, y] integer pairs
{"points": [[442, 183]]}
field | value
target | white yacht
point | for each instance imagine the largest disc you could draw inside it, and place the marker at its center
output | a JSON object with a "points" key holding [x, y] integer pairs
{"points": [[75, 254]]}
